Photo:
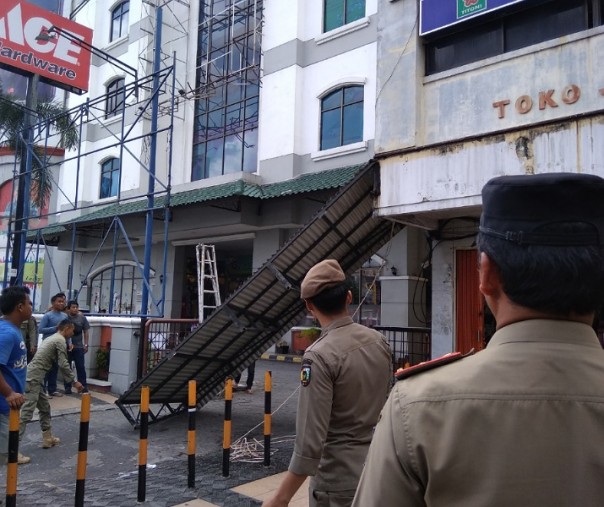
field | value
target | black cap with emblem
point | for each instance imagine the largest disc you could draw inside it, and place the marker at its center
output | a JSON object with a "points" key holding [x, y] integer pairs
{"points": [[519, 208]]}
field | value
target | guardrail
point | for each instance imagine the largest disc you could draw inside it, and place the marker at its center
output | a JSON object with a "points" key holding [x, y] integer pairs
{"points": [[410, 345], [161, 338]]}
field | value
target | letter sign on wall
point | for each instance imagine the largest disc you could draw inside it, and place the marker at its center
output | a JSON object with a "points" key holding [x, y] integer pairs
{"points": [[57, 59]]}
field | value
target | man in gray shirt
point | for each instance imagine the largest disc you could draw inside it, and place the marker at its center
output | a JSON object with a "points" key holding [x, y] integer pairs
{"points": [[79, 341]]}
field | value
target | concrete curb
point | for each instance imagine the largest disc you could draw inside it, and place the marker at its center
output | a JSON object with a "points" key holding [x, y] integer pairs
{"points": [[288, 358]]}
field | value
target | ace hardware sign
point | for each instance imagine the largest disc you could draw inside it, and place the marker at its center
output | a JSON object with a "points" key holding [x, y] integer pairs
{"points": [[31, 42]]}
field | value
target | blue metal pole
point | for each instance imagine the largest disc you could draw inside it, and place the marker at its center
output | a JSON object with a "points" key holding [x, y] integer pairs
{"points": [[152, 155]]}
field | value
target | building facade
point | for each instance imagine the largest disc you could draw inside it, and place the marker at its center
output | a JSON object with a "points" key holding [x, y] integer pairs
{"points": [[265, 108], [467, 92]]}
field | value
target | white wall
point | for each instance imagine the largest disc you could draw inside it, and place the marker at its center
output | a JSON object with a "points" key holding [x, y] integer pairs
{"points": [[290, 105]]}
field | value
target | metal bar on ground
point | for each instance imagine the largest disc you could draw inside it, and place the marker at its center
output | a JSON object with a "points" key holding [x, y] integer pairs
{"points": [[13, 457], [226, 441], [268, 388], [191, 432], [142, 446], [82, 450]]}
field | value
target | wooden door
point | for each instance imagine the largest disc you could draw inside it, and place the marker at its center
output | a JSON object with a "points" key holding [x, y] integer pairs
{"points": [[469, 303]]}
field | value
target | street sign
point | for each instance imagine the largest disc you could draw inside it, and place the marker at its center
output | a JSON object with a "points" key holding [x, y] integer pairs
{"points": [[438, 14]]}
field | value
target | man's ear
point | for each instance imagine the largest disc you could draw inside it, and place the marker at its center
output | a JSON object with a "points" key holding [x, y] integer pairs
{"points": [[309, 305], [488, 276], [349, 298]]}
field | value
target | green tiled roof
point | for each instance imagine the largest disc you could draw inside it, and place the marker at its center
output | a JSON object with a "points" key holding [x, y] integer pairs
{"points": [[311, 182]]}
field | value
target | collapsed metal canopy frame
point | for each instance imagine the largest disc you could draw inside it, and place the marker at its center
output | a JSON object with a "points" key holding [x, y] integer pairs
{"points": [[267, 304]]}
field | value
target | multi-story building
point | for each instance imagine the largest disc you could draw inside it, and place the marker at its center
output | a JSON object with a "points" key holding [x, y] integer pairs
{"points": [[270, 111], [469, 90]]}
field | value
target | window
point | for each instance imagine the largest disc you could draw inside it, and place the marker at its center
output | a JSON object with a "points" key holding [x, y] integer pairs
{"points": [[342, 117], [520, 27], [127, 285], [119, 21], [341, 12], [110, 178], [116, 95], [225, 133]]}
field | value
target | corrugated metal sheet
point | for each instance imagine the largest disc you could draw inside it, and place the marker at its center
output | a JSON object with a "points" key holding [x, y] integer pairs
{"points": [[269, 303]]}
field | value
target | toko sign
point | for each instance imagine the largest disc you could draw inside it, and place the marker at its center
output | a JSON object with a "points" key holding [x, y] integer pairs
{"points": [[54, 57], [438, 14]]}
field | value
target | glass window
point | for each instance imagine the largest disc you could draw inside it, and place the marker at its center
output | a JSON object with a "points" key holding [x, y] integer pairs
{"points": [[110, 178], [518, 29], [119, 21], [127, 285], [341, 12], [228, 78], [342, 117], [116, 95]]}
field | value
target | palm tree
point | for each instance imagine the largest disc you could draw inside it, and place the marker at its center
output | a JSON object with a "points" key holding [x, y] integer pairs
{"points": [[12, 123]]}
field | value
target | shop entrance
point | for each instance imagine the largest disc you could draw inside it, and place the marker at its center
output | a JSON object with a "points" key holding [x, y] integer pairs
{"points": [[234, 265], [475, 323]]}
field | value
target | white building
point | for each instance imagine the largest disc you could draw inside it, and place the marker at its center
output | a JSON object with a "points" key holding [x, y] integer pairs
{"points": [[272, 110]]}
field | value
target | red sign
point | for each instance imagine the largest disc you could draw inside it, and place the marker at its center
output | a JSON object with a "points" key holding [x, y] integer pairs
{"points": [[26, 45]]}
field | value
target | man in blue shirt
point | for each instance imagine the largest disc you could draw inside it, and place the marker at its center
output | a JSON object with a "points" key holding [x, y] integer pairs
{"points": [[16, 307], [48, 327]]}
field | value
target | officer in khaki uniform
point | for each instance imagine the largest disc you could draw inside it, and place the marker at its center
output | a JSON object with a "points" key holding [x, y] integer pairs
{"points": [[520, 423], [52, 350], [345, 377]]}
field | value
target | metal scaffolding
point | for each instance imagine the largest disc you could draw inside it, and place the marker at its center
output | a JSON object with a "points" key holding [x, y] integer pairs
{"points": [[140, 105]]}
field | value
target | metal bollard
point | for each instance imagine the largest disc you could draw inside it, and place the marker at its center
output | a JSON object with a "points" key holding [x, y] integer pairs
{"points": [[191, 432], [142, 446], [82, 450], [268, 388], [13, 456], [226, 441]]}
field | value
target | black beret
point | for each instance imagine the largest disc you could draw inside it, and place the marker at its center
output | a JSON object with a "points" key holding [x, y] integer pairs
{"points": [[516, 208]]}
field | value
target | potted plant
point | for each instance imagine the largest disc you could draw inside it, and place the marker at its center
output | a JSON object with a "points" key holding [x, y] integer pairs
{"points": [[282, 347], [102, 363]]}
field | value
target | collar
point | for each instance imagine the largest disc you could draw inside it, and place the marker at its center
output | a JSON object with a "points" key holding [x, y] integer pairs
{"points": [[344, 321], [546, 330]]}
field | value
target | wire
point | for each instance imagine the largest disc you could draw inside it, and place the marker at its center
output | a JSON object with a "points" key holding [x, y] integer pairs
{"points": [[252, 451]]}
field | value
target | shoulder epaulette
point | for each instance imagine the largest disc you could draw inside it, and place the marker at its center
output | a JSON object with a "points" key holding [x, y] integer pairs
{"points": [[402, 374]]}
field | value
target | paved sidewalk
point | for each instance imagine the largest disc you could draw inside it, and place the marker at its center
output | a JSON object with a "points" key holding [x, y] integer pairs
{"points": [[112, 471]]}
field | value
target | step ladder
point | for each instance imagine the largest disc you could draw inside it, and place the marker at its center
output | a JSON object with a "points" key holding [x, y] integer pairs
{"points": [[208, 292]]}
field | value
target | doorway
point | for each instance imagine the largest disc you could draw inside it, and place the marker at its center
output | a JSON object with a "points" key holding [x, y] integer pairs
{"points": [[474, 322]]}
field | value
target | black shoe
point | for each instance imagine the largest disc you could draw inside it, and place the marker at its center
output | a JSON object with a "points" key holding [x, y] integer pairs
{"points": [[68, 391], [84, 391]]}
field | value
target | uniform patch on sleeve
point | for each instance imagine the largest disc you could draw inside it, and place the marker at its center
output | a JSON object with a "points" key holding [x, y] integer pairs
{"points": [[305, 375]]}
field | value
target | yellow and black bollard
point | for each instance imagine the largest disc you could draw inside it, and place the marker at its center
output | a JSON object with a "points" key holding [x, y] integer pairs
{"points": [[82, 450], [142, 446], [191, 432], [13, 457], [226, 441], [268, 388]]}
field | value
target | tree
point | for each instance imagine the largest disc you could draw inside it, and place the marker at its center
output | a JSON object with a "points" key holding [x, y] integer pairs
{"points": [[12, 122]]}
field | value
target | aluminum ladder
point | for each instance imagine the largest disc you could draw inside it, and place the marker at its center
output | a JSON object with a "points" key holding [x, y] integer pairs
{"points": [[208, 292]]}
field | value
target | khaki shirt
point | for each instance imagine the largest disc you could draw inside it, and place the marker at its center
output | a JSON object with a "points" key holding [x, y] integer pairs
{"points": [[518, 424], [349, 371], [54, 348]]}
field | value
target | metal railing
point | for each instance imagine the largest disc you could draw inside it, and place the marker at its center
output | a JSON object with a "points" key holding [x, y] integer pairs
{"points": [[410, 345], [161, 338]]}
